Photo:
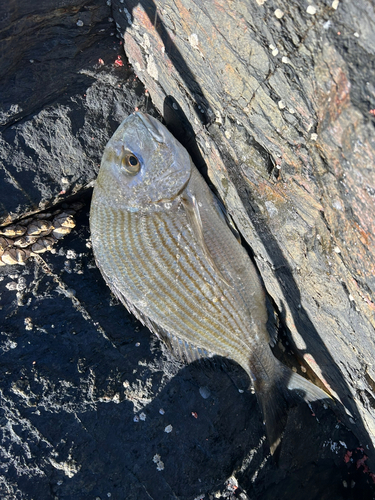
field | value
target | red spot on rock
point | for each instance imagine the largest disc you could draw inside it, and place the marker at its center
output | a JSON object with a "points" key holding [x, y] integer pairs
{"points": [[347, 456], [372, 112], [101, 62], [361, 463], [195, 414], [118, 63]]}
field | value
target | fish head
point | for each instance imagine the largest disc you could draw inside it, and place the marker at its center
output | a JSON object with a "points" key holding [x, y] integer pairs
{"points": [[143, 165]]}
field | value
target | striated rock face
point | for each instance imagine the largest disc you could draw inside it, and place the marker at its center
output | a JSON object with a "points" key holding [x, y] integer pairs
{"points": [[63, 91], [275, 103], [282, 105]]}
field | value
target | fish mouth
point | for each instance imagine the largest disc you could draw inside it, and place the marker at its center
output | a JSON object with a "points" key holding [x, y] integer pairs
{"points": [[151, 127]]}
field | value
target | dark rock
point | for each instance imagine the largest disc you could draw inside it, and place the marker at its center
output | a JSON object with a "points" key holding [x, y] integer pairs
{"points": [[282, 108], [88, 395], [92, 405], [65, 88]]}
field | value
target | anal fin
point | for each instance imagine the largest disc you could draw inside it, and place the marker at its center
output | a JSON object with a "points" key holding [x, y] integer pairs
{"points": [[180, 348]]}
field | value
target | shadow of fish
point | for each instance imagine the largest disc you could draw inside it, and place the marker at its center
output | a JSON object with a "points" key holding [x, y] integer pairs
{"points": [[163, 246]]}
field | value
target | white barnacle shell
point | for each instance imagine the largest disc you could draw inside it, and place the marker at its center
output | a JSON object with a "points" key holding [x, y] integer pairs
{"points": [[13, 230], [15, 256], [39, 226], [42, 245]]}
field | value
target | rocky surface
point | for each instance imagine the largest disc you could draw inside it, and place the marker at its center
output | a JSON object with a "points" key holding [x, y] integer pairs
{"points": [[63, 93], [282, 106], [92, 405]]}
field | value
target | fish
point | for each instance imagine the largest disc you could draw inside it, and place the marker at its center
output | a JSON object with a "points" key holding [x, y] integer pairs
{"points": [[164, 247]]}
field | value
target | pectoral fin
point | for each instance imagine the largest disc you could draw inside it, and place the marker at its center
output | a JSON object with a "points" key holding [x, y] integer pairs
{"points": [[195, 221]]}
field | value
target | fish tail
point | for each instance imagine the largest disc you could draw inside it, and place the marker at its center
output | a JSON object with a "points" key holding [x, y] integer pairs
{"points": [[287, 389]]}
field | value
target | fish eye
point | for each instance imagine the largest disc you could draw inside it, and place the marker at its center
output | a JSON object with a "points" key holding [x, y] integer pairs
{"points": [[130, 162]]}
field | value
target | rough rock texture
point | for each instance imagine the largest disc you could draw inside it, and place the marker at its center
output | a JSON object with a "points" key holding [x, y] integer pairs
{"points": [[64, 88], [289, 143], [91, 405]]}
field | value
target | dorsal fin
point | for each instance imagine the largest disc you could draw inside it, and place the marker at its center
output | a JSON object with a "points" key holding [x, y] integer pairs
{"points": [[225, 217]]}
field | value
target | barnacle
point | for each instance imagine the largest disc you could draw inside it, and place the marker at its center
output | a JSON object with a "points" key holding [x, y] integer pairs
{"points": [[36, 234]]}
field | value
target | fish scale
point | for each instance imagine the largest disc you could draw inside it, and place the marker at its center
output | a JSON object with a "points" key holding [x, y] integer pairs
{"points": [[165, 250], [129, 237]]}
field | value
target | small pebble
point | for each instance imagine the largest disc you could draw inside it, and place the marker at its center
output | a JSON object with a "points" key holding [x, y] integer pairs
{"points": [[311, 9], [79, 23], [161, 411], [335, 4], [142, 416], [71, 254], [157, 460], [204, 392], [279, 13], [168, 429]]}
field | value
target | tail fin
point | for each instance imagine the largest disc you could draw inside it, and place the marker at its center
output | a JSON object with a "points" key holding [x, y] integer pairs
{"points": [[275, 399]]}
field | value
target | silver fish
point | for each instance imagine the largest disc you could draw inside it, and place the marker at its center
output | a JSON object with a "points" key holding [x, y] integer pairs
{"points": [[164, 248]]}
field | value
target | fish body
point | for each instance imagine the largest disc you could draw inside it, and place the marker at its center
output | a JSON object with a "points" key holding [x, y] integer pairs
{"points": [[164, 248]]}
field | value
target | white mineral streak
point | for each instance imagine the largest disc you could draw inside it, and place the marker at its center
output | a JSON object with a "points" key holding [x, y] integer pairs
{"points": [[271, 209], [151, 67], [193, 40]]}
